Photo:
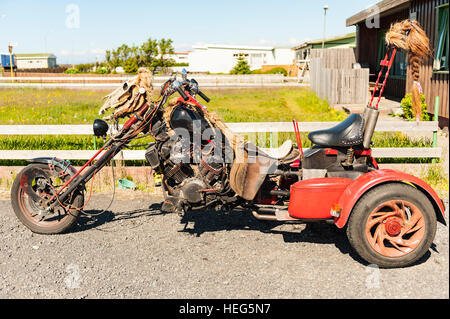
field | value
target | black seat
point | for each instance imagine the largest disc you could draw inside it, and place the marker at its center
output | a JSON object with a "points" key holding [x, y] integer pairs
{"points": [[349, 132]]}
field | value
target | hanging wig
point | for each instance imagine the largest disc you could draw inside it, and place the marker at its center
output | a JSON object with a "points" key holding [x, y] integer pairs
{"points": [[409, 36]]}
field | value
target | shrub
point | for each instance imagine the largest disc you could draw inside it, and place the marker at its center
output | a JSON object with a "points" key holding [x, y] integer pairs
{"points": [[72, 71], [242, 67], [101, 71], [277, 70], [406, 105]]}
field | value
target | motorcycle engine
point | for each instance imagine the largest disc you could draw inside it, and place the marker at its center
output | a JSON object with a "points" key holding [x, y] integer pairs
{"points": [[187, 176]]}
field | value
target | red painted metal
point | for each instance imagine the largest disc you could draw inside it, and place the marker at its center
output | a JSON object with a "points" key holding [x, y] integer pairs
{"points": [[190, 100], [330, 151], [78, 173], [384, 63], [314, 198], [394, 51], [363, 152], [297, 136], [295, 164], [393, 226], [362, 184], [133, 119]]}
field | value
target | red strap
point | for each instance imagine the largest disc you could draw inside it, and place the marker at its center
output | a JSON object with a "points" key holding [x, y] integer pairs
{"points": [[297, 136]]}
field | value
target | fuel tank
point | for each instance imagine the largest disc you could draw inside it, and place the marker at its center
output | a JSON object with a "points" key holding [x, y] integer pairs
{"points": [[183, 117]]}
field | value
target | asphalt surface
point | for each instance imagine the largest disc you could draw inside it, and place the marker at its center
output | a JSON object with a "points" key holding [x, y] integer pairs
{"points": [[135, 251]]}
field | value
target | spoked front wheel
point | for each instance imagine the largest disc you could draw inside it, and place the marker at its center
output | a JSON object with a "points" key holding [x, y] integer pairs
{"points": [[392, 225], [32, 186]]}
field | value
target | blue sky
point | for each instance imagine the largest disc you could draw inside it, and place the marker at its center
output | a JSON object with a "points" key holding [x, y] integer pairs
{"points": [[52, 26]]}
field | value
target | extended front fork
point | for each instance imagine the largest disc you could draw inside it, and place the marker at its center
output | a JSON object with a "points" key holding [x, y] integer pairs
{"points": [[77, 179]]}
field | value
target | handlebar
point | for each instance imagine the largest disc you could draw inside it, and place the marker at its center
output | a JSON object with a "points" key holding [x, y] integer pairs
{"points": [[207, 99], [190, 86], [181, 92]]}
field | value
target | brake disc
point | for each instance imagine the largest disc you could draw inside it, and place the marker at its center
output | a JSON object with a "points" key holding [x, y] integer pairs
{"points": [[35, 183]]}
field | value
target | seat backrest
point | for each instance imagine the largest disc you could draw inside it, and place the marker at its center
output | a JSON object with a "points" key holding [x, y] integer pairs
{"points": [[370, 116]]}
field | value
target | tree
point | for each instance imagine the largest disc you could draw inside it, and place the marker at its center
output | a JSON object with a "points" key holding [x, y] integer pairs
{"points": [[165, 48], [242, 66], [149, 51], [112, 60], [152, 54]]}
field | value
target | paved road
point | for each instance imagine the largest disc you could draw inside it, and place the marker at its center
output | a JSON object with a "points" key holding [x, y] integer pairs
{"points": [[134, 251]]}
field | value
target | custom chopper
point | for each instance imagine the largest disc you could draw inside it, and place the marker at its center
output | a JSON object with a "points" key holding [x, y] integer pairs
{"points": [[390, 217]]}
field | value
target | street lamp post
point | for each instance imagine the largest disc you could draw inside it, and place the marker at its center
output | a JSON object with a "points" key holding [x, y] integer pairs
{"points": [[325, 8], [10, 47]]}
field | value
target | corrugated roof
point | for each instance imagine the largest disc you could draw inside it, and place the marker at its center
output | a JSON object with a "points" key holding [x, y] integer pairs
{"points": [[384, 7], [333, 39]]}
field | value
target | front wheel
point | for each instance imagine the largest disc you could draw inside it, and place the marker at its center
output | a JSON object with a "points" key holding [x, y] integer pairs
{"points": [[392, 225], [32, 186]]}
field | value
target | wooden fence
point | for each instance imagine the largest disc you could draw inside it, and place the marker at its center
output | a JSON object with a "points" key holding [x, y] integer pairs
{"points": [[263, 127], [333, 76]]}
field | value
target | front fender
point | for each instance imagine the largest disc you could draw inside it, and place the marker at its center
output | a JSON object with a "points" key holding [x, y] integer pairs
{"points": [[62, 164], [364, 183]]}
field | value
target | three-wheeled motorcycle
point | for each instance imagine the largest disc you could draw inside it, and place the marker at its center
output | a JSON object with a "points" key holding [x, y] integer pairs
{"points": [[390, 217]]}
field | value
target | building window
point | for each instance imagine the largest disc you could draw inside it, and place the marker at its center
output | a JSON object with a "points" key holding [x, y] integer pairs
{"points": [[399, 66], [441, 56], [256, 59], [240, 55]]}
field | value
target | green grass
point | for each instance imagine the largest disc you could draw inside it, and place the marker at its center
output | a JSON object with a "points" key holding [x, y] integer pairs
{"points": [[63, 106], [49, 106], [437, 178]]}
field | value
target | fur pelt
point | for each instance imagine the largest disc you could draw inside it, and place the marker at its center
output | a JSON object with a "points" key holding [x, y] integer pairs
{"points": [[130, 96], [409, 36]]}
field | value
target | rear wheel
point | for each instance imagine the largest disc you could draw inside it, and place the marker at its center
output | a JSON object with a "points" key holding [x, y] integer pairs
{"points": [[32, 186], [392, 225]]}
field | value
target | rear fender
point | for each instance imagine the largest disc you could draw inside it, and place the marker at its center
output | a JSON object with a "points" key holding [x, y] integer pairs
{"points": [[364, 183]]}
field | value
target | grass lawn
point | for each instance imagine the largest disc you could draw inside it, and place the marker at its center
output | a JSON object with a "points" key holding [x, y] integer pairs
{"points": [[63, 106]]}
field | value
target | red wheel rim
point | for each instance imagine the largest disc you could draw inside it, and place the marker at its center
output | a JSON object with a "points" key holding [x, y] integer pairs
{"points": [[395, 228]]}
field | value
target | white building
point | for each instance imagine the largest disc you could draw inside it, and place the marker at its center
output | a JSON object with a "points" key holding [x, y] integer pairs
{"points": [[222, 58], [180, 57], [36, 61]]}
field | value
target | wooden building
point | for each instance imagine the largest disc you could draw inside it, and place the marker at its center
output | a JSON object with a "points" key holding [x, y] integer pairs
{"points": [[303, 51], [371, 26]]}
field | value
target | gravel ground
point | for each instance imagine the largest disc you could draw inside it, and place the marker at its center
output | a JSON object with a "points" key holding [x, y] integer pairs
{"points": [[135, 251]]}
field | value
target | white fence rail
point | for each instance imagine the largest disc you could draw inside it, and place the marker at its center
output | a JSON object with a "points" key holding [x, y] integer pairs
{"points": [[255, 127], [254, 80]]}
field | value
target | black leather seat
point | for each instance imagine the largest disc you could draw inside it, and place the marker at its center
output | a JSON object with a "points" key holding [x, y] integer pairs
{"points": [[349, 132]]}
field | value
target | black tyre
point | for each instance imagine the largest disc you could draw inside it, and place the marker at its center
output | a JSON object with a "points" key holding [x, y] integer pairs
{"points": [[31, 213], [392, 225]]}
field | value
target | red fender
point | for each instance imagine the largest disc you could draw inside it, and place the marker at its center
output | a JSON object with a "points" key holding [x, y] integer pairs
{"points": [[362, 184]]}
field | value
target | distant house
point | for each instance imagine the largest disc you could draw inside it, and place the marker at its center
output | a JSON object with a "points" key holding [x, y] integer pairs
{"points": [[303, 51], [180, 57], [222, 58], [35, 61], [433, 15]]}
